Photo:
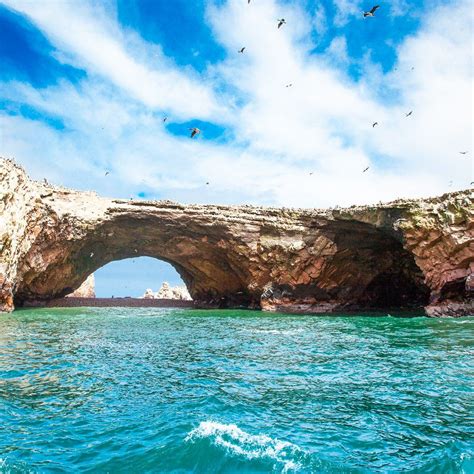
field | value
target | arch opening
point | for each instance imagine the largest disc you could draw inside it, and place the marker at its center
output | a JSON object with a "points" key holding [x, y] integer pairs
{"points": [[132, 277]]}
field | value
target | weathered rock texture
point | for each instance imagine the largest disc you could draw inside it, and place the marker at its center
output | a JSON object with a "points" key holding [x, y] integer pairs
{"points": [[406, 253], [167, 292], [86, 290]]}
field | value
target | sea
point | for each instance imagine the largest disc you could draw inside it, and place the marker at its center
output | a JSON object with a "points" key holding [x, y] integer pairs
{"points": [[131, 390]]}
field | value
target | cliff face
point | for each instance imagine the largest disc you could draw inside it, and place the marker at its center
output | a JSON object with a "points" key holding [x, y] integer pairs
{"points": [[392, 255], [86, 290]]}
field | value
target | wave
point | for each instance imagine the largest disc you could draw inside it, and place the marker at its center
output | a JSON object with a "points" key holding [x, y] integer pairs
{"points": [[252, 447], [284, 332]]}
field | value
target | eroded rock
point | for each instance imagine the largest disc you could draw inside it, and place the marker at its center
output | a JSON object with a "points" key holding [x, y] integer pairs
{"points": [[86, 290], [401, 254]]}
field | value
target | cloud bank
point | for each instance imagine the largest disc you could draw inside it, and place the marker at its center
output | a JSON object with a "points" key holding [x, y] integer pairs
{"points": [[304, 144]]}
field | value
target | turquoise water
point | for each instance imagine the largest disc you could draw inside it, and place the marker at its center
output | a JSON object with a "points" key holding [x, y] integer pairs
{"points": [[151, 390]]}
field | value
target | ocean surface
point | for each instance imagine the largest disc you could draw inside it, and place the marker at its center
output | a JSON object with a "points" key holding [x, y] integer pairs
{"points": [[165, 390]]}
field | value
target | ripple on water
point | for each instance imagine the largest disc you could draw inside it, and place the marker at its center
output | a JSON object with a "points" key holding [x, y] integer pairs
{"points": [[151, 390]]}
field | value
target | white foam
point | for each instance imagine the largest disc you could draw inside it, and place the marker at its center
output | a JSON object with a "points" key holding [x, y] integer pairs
{"points": [[241, 443], [284, 332]]}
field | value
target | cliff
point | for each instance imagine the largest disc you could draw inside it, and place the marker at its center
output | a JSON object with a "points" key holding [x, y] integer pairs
{"points": [[86, 290], [405, 253]]}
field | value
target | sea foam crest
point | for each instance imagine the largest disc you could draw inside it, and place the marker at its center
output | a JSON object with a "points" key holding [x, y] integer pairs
{"points": [[240, 443]]}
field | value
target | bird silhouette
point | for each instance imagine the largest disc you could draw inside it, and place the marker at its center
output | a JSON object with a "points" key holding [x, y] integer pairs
{"points": [[371, 12], [194, 131], [281, 22], [463, 152], [106, 173], [91, 255], [366, 169], [241, 50], [409, 113], [374, 124], [289, 85], [165, 119]]}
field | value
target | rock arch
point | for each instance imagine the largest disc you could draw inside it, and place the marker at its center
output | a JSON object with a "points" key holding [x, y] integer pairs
{"points": [[404, 252]]}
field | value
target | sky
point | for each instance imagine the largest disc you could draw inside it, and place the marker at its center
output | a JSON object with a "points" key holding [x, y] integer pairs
{"points": [[85, 87]]}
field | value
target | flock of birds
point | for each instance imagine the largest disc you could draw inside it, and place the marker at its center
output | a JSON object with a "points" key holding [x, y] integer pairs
{"points": [[280, 22]]}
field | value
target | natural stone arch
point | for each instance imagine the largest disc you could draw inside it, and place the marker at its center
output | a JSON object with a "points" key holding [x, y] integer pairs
{"points": [[205, 267], [277, 259]]}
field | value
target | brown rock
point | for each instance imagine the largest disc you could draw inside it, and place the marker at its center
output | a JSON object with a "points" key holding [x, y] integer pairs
{"points": [[401, 254], [86, 290]]}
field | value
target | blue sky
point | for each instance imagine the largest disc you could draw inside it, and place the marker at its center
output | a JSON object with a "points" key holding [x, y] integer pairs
{"points": [[85, 86]]}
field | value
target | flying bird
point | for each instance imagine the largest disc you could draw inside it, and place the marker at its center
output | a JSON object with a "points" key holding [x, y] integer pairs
{"points": [[374, 124], [107, 172], [165, 119], [281, 22], [194, 131], [207, 183], [409, 113], [463, 152], [92, 254], [289, 85], [366, 169], [371, 12], [241, 50]]}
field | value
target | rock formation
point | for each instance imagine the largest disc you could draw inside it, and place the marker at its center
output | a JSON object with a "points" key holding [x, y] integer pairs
{"points": [[86, 290], [167, 292], [401, 254]]}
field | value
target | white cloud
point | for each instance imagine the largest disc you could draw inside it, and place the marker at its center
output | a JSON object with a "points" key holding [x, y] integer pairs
{"points": [[320, 125], [88, 37]]}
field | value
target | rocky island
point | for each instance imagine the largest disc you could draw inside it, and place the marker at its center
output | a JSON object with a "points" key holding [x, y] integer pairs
{"points": [[407, 253]]}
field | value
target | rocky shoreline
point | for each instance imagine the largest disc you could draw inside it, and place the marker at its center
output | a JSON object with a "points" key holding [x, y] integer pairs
{"points": [[408, 253], [72, 302]]}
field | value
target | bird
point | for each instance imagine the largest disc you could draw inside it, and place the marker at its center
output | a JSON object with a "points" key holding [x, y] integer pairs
{"points": [[194, 131], [92, 254], [207, 183], [165, 119], [374, 124], [366, 169], [289, 85], [241, 50], [107, 172], [248, 2], [371, 12], [450, 183], [409, 113], [463, 152], [281, 22], [471, 183]]}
